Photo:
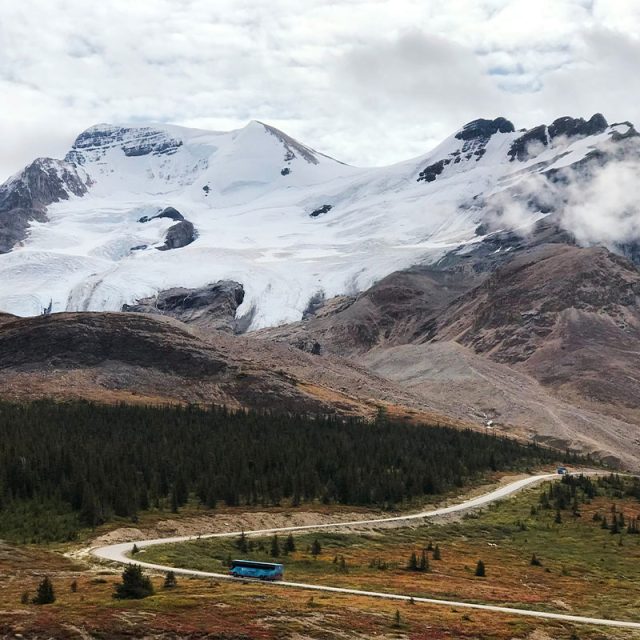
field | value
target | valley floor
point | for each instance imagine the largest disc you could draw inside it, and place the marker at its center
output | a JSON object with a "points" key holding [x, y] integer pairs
{"points": [[585, 570]]}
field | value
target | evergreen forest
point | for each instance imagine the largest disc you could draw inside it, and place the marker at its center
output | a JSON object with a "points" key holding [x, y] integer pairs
{"points": [[74, 465]]}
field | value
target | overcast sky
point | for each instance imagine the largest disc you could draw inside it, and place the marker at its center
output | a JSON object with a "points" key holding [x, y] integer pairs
{"points": [[369, 82]]}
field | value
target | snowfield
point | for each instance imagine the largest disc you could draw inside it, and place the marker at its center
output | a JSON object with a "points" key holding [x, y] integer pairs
{"points": [[249, 193]]}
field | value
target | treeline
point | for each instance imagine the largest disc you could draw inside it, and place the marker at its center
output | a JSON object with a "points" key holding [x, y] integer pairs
{"points": [[576, 490], [69, 465]]}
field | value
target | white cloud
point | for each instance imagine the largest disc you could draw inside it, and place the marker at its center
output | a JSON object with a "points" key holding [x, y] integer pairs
{"points": [[606, 208], [370, 82]]}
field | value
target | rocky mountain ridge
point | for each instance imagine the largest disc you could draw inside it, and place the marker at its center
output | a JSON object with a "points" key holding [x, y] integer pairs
{"points": [[460, 286]]}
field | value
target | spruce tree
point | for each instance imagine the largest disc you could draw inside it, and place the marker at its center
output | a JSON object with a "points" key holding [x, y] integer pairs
{"points": [[134, 586], [170, 581], [424, 562], [275, 547], [45, 593], [436, 553], [480, 570], [413, 562], [290, 544], [175, 505], [242, 542], [316, 548]]}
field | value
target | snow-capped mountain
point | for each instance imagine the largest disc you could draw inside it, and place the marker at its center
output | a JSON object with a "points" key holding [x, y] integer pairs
{"points": [[133, 211]]}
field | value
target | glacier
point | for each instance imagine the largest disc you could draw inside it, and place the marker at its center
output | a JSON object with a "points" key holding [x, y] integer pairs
{"points": [[250, 194]]}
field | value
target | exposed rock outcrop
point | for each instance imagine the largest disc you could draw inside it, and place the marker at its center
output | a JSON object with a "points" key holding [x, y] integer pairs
{"points": [[210, 307], [430, 173], [482, 128], [25, 197], [179, 235], [474, 136], [519, 149], [568, 126], [565, 126], [139, 141], [168, 212], [325, 208]]}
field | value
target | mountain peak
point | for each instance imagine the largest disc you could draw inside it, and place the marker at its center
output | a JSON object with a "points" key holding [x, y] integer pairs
{"points": [[483, 128], [134, 141]]}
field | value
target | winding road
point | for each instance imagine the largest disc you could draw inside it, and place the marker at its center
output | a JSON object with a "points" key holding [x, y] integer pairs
{"points": [[118, 553]]}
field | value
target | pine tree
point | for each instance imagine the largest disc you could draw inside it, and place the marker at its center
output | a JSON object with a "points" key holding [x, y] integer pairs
{"points": [[316, 549], [290, 544], [397, 619], [134, 549], [544, 500], [558, 518], [413, 562], [134, 586], [480, 570], [605, 524], [170, 581], [424, 562], [175, 505], [535, 562], [45, 593], [575, 507], [275, 547], [74, 586], [436, 553], [242, 543]]}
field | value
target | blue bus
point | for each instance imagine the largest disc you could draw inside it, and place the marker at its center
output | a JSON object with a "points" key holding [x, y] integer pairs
{"points": [[260, 570]]}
